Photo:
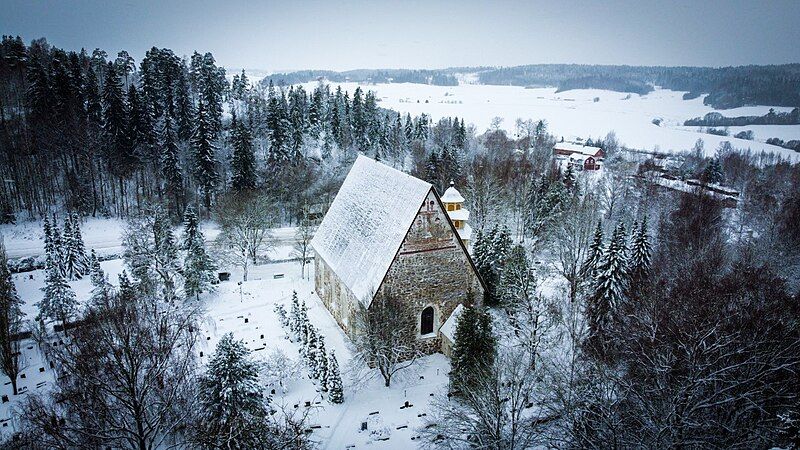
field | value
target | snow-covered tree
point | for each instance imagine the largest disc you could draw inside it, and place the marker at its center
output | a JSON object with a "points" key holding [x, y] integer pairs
{"points": [[309, 350], [233, 407], [641, 251], [334, 380], [11, 317], [243, 161], [474, 348], [59, 302], [74, 252], [205, 161], [321, 363], [611, 282], [294, 317], [151, 253], [100, 285], [302, 241], [595, 253], [198, 268]]}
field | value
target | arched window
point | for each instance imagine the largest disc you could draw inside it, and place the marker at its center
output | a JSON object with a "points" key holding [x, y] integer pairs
{"points": [[426, 321]]}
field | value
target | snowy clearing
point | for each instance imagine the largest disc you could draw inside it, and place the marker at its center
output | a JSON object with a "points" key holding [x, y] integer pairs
{"points": [[573, 113]]}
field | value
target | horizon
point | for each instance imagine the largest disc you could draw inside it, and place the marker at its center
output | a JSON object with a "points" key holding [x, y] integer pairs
{"points": [[275, 37]]}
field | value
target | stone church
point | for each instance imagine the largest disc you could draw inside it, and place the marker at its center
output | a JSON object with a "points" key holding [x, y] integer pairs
{"points": [[390, 233]]}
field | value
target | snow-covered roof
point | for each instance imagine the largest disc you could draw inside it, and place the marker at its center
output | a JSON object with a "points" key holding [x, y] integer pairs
{"points": [[459, 214], [465, 233], [449, 327], [579, 148], [367, 222], [451, 195]]}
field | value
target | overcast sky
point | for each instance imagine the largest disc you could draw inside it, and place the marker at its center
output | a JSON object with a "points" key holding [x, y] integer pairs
{"points": [[342, 35]]}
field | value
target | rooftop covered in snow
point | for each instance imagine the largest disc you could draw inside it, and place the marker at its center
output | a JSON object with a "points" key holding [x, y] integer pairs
{"points": [[366, 224]]}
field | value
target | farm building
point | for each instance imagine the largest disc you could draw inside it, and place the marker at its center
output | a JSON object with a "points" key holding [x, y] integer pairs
{"points": [[579, 156], [388, 233]]}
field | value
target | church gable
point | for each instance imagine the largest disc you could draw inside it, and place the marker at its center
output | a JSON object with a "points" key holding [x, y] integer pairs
{"points": [[432, 268]]}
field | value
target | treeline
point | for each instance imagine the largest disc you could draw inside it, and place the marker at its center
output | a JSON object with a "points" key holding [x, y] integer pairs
{"points": [[103, 136], [434, 77], [727, 87], [715, 119]]}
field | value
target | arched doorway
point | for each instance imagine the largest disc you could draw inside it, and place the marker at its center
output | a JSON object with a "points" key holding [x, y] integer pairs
{"points": [[426, 321]]}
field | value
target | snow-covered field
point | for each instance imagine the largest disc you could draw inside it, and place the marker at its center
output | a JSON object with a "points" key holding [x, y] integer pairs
{"points": [[26, 239], [246, 310], [575, 113]]}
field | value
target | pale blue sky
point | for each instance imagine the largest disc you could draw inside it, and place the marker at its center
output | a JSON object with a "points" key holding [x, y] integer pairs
{"points": [[422, 34]]}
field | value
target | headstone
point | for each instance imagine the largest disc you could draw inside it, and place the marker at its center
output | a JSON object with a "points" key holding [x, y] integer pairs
{"points": [[201, 354], [246, 320], [22, 375], [5, 399], [224, 276], [41, 369], [363, 426], [308, 403]]}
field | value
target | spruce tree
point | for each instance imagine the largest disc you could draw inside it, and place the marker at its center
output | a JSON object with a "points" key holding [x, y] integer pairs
{"points": [[243, 161], [11, 322], [59, 302], [309, 350], [205, 162], [321, 364], [294, 317], [79, 246], [474, 348], [198, 267], [641, 250], [170, 166], [334, 380], [589, 267], [611, 284], [100, 285], [233, 409]]}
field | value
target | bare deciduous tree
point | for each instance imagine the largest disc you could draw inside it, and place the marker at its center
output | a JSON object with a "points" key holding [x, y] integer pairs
{"points": [[125, 377], [245, 221], [385, 336]]}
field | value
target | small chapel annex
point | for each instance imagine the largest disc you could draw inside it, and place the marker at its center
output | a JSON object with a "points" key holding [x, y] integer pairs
{"points": [[388, 232]]}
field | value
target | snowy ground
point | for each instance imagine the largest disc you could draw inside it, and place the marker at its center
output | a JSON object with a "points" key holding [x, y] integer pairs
{"points": [[246, 310], [105, 236], [575, 113]]}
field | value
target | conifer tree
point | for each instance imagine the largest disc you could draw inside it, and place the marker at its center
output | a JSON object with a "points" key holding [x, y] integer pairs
{"points": [[334, 380], [11, 322], [294, 317], [595, 253], [569, 177], [474, 348], [232, 403], [205, 162], [100, 285], [310, 348], [198, 268], [80, 246], [640, 253], [321, 363], [243, 162], [611, 284], [59, 302], [170, 166]]}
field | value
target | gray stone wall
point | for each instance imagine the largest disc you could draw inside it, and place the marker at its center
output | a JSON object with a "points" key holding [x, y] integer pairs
{"points": [[432, 269]]}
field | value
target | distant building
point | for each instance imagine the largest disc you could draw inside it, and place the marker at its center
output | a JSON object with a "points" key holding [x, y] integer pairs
{"points": [[579, 156], [387, 232]]}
